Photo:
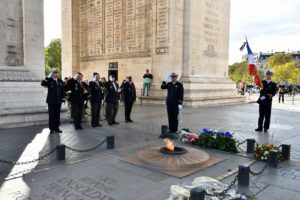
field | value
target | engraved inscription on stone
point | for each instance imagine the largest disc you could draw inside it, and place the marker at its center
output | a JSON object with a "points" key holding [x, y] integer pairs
{"points": [[11, 33], [211, 27], [162, 33], [120, 28]]}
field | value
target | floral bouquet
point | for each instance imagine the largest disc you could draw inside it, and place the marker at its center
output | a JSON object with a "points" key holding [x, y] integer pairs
{"points": [[262, 151], [212, 139]]}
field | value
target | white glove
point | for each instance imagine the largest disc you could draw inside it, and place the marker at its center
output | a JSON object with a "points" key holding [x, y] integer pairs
{"points": [[49, 75], [262, 98], [167, 78], [179, 107]]}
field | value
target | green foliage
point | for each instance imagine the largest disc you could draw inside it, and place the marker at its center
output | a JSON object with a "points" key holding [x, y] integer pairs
{"points": [[53, 55], [239, 71], [280, 59], [287, 72], [217, 140]]}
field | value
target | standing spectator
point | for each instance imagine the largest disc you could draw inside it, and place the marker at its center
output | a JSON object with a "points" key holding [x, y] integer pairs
{"points": [[54, 99], [267, 92], [76, 87], [281, 92], [129, 97], [112, 100], [96, 99], [174, 100], [147, 82]]}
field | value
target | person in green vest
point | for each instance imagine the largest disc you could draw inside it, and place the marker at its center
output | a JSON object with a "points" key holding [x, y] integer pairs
{"points": [[147, 82]]}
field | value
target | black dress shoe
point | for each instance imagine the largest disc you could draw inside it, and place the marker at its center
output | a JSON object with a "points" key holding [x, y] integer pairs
{"points": [[52, 132], [126, 121], [130, 120], [100, 125], [258, 130], [93, 125], [116, 123], [80, 127], [58, 131], [266, 130], [110, 123]]}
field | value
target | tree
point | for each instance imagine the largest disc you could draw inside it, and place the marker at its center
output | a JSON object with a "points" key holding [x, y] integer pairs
{"points": [[287, 72], [280, 59], [53, 55], [239, 71]]}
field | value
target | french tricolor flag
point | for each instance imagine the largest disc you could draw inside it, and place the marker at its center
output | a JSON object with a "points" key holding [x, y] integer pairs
{"points": [[252, 66]]}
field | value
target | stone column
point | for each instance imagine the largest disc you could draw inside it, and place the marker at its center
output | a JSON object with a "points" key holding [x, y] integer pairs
{"points": [[33, 36]]}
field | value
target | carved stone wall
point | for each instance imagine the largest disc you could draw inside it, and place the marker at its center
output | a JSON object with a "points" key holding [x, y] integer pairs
{"points": [[11, 33]]}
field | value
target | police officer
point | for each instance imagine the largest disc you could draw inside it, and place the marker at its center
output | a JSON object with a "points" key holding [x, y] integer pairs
{"points": [[112, 100], [96, 99], [174, 100], [54, 99], [267, 92], [129, 97], [76, 88]]}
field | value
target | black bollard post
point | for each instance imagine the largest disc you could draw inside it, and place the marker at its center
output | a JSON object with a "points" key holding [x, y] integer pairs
{"points": [[164, 130], [244, 175], [61, 152], [273, 158], [250, 145], [197, 193], [110, 142], [286, 151]]}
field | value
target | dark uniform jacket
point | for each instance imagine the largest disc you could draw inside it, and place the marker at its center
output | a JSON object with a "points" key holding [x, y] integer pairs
{"points": [[128, 91], [175, 92], [55, 90], [269, 90], [77, 91], [97, 93], [112, 95]]}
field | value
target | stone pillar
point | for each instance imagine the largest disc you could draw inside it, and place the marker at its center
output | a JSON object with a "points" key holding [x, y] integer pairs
{"points": [[33, 37], [70, 37]]}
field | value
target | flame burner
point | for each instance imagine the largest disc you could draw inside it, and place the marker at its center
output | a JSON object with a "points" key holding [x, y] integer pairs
{"points": [[177, 151]]}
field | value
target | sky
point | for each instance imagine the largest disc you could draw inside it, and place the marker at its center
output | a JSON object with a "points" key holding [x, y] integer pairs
{"points": [[270, 25]]}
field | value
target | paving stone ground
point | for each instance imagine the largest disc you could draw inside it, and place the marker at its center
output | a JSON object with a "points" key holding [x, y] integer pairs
{"points": [[101, 174]]}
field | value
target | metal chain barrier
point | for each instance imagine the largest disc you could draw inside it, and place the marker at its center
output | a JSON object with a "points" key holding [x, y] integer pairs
{"points": [[31, 161], [85, 150], [229, 187], [260, 172], [239, 144]]}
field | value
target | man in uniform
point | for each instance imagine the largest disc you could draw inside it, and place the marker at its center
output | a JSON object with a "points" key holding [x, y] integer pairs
{"points": [[174, 100], [96, 99], [112, 100], [267, 92], [129, 97], [54, 99], [76, 87]]}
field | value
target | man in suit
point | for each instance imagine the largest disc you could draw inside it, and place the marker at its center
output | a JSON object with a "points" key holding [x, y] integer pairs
{"points": [[129, 97], [76, 88], [112, 100], [54, 99], [267, 92], [96, 99], [174, 100]]}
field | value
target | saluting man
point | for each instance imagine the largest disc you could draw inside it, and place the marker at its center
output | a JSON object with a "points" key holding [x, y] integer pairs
{"points": [[76, 87], [267, 92], [129, 97], [174, 100], [54, 99], [96, 99], [112, 100]]}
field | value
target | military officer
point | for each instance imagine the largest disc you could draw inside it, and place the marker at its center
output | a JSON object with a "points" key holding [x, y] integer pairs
{"points": [[96, 99], [129, 97], [76, 88], [112, 100], [54, 99], [174, 100], [267, 92]]}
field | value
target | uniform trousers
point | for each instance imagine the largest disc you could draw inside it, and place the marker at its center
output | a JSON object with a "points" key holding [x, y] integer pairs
{"points": [[111, 111], [265, 108], [54, 116], [173, 111]]}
